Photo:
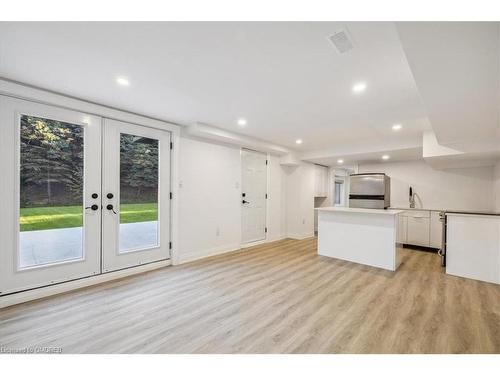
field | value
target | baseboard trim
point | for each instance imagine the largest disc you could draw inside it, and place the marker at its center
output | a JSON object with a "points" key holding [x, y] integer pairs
{"points": [[209, 253], [300, 236], [276, 238], [47, 291], [256, 243], [421, 248], [225, 249]]}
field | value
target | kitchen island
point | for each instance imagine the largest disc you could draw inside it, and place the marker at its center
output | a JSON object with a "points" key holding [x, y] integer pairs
{"points": [[360, 235], [473, 245]]}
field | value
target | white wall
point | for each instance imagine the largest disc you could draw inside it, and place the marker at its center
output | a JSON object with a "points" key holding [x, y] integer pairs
{"points": [[496, 186], [210, 199], [299, 193], [276, 203], [461, 189]]}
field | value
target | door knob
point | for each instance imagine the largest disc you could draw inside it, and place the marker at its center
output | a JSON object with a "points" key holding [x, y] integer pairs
{"points": [[110, 195], [95, 195]]}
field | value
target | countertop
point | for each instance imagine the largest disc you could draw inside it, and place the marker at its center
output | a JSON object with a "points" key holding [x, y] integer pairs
{"points": [[417, 209], [398, 210], [360, 210], [460, 212]]}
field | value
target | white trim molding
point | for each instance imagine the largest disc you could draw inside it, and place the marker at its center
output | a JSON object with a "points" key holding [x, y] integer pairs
{"points": [[294, 236], [212, 133]]}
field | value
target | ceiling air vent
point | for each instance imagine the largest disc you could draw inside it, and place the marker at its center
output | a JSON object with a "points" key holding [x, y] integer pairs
{"points": [[341, 41]]}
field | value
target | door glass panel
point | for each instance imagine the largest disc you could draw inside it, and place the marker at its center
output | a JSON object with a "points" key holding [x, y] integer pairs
{"points": [[51, 192], [138, 192]]}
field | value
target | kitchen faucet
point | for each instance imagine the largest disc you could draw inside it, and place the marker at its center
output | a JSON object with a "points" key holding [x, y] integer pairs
{"points": [[412, 198]]}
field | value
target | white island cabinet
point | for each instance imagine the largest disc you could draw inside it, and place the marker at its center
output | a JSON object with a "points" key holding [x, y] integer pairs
{"points": [[360, 235], [473, 246]]}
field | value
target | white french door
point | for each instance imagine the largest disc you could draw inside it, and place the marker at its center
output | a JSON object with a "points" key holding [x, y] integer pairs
{"points": [[136, 202], [51, 188], [253, 195], [58, 219]]}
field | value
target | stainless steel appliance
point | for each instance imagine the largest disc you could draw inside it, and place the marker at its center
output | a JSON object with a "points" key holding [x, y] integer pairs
{"points": [[370, 190], [442, 250]]}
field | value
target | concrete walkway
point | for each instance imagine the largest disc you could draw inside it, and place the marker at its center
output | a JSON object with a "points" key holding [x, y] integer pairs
{"points": [[55, 245]]}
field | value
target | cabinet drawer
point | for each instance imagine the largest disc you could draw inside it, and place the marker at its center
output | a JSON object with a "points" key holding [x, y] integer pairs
{"points": [[417, 213], [418, 231]]}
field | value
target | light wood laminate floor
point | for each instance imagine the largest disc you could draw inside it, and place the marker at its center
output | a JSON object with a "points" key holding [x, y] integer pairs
{"points": [[274, 298]]}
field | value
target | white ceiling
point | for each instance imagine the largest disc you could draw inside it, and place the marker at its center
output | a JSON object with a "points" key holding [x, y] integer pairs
{"points": [[456, 68], [285, 78]]}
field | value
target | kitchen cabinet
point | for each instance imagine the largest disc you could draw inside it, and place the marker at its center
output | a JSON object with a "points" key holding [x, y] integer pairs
{"points": [[473, 246], [420, 227], [436, 230], [418, 231], [320, 181]]}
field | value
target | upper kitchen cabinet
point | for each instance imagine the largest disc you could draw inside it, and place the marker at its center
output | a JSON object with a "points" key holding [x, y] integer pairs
{"points": [[320, 181]]}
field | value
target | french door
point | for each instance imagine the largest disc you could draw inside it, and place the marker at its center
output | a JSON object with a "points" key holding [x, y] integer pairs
{"points": [[58, 219], [136, 189]]}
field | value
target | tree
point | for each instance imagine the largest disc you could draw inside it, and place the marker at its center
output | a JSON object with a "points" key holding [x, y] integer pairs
{"points": [[138, 167], [51, 155]]}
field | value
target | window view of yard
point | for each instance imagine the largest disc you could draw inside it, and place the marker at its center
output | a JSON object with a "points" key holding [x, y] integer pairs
{"points": [[39, 218], [52, 185]]}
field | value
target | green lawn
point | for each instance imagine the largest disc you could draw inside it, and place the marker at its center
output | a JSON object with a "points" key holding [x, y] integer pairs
{"points": [[71, 216]]}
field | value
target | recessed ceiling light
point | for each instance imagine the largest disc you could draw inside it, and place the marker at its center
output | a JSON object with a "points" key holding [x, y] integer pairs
{"points": [[359, 87], [298, 141], [340, 161], [122, 81], [242, 122], [385, 157], [397, 127]]}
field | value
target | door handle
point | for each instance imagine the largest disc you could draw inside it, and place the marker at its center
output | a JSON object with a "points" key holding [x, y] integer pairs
{"points": [[245, 202], [109, 207], [94, 207]]}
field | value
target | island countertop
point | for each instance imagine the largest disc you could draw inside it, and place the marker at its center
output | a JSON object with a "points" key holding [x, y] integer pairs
{"points": [[361, 210]]}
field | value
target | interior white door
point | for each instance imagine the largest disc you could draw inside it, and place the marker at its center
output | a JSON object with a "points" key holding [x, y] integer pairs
{"points": [[254, 195], [50, 186], [136, 195]]}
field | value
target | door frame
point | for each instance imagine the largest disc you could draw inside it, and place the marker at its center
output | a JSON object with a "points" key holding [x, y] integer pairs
{"points": [[35, 94]]}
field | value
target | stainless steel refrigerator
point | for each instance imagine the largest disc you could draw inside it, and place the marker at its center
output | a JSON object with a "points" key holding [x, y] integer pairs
{"points": [[370, 190]]}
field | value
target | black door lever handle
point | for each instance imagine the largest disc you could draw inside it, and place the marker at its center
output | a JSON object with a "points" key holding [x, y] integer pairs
{"points": [[94, 207], [109, 207], [244, 201]]}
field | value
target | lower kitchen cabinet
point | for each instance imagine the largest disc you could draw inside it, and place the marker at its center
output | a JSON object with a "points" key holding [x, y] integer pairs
{"points": [[473, 246], [420, 228], [418, 231]]}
